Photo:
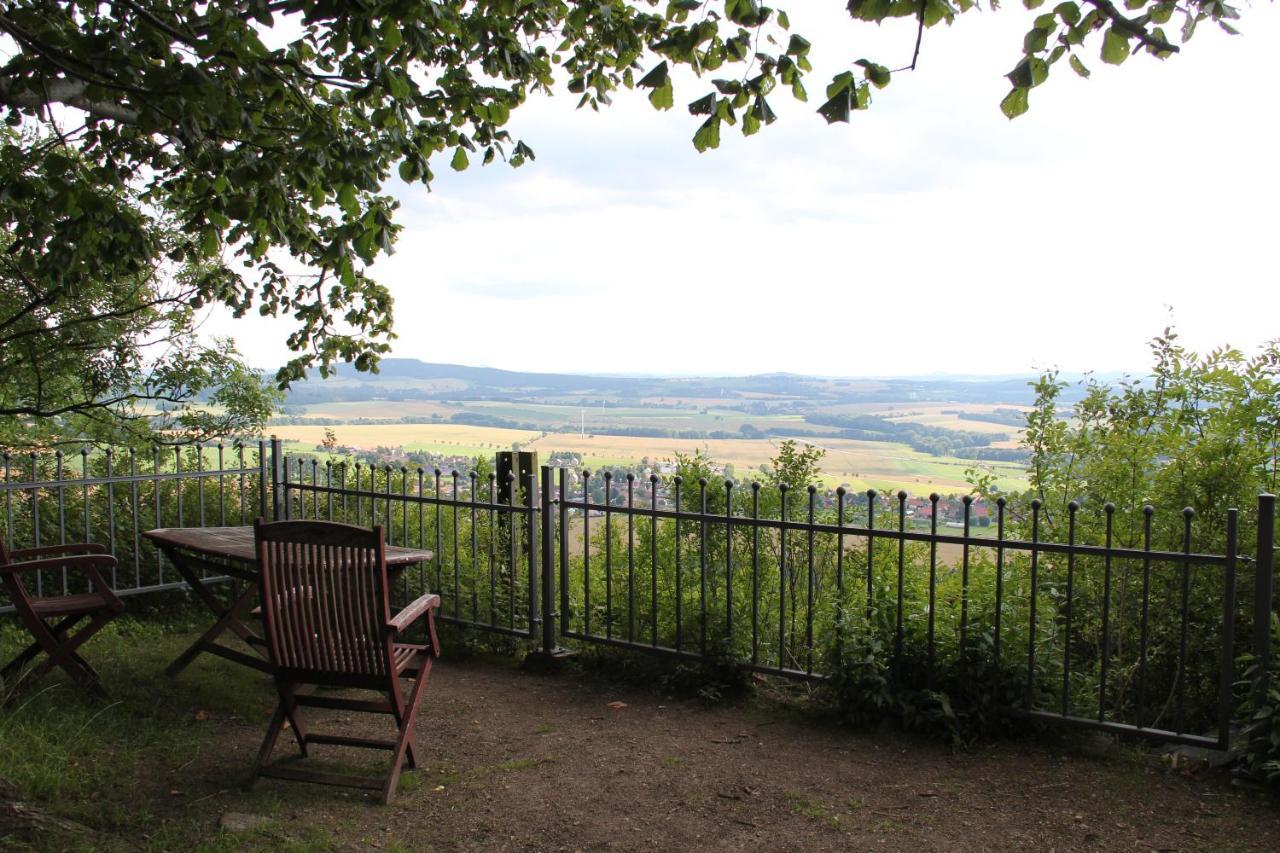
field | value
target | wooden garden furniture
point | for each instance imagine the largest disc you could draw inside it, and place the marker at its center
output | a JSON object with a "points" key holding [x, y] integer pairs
{"points": [[326, 611], [50, 619], [205, 557]]}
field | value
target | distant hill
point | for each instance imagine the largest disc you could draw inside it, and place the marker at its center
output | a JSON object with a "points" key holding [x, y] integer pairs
{"points": [[411, 379]]}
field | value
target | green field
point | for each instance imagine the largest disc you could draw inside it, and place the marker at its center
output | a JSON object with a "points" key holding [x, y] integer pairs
{"points": [[857, 464], [567, 418]]}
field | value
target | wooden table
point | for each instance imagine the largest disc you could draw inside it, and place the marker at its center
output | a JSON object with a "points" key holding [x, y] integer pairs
{"points": [[230, 551]]}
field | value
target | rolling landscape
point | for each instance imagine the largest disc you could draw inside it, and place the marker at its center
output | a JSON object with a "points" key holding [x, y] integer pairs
{"points": [[920, 434]]}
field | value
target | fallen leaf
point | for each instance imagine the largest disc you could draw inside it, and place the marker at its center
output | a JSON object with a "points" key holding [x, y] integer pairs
{"points": [[202, 714], [617, 706]]}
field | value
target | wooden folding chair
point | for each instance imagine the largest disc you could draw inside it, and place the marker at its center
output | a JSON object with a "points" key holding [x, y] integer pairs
{"points": [[326, 612], [50, 619]]}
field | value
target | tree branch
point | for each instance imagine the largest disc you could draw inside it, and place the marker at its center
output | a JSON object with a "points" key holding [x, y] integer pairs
{"points": [[1135, 28], [68, 93]]}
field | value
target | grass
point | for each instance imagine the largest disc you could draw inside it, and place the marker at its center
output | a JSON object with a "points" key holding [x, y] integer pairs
{"points": [[86, 759], [811, 809]]}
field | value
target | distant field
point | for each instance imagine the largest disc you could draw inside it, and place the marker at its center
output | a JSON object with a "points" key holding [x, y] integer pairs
{"points": [[377, 409], [859, 464], [569, 418]]}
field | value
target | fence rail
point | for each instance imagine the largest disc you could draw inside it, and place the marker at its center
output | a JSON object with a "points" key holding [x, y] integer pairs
{"points": [[1091, 629], [111, 497]]}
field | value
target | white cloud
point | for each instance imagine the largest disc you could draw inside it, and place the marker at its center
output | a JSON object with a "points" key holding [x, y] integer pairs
{"points": [[930, 234]]}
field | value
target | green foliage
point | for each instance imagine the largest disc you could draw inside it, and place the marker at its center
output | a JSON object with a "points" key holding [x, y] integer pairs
{"points": [[1199, 431], [266, 132], [1260, 755], [1157, 459], [1071, 27], [92, 354]]}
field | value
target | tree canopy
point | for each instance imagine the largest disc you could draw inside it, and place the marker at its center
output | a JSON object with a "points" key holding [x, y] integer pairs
{"points": [[262, 133]]}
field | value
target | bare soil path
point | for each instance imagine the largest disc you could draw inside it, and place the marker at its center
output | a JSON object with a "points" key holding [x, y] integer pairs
{"points": [[521, 761]]}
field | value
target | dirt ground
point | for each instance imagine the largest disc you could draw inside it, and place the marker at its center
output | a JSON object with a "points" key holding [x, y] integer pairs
{"points": [[524, 761]]}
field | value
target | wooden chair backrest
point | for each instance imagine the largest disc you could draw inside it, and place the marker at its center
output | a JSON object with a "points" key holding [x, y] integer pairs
{"points": [[325, 600]]}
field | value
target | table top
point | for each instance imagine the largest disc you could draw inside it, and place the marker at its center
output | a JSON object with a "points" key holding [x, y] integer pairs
{"points": [[236, 543]]}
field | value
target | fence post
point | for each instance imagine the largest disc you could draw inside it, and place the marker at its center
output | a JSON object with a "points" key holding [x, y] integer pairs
{"points": [[547, 530], [527, 484], [1264, 590], [279, 492], [548, 656]]}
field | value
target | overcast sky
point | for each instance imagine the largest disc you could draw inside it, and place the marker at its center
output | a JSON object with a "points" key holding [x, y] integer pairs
{"points": [[928, 235]]}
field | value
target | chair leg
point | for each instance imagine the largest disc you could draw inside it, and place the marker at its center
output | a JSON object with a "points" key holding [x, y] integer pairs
{"points": [[405, 741], [396, 697], [26, 655], [289, 701], [268, 741], [64, 655]]}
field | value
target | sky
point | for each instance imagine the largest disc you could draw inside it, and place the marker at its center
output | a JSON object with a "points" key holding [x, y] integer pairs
{"points": [[929, 235]]}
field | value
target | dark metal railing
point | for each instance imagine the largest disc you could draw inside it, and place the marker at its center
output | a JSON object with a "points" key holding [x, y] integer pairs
{"points": [[1090, 628], [807, 586], [110, 497], [484, 538]]}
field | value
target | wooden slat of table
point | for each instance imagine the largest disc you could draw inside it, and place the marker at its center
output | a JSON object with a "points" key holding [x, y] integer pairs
{"points": [[236, 543]]}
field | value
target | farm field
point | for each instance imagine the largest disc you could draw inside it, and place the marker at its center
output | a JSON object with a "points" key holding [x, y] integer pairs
{"points": [[704, 417], [858, 464]]}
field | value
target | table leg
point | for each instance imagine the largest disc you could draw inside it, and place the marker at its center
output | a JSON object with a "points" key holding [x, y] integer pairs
{"points": [[228, 619]]}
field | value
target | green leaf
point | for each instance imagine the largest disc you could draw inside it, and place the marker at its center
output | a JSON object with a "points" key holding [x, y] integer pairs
{"points": [[1188, 28], [1014, 103], [1029, 73], [347, 199], [657, 77], [1035, 41], [797, 46], [390, 32], [879, 75], [708, 135], [839, 83], [1033, 4], [783, 20], [408, 170], [837, 107], [663, 97], [1078, 66], [763, 111], [459, 161], [1068, 12], [1115, 47], [704, 106], [209, 243]]}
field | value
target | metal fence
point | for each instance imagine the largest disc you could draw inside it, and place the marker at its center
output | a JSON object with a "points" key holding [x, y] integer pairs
{"points": [[111, 497], [1086, 632], [1094, 630], [483, 533]]}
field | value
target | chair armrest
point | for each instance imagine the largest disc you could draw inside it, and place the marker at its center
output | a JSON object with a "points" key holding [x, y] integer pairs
{"points": [[77, 561], [405, 618], [90, 563], [54, 550]]}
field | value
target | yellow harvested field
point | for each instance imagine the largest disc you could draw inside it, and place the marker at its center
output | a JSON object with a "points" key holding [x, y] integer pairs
{"points": [[858, 464], [408, 436], [955, 423]]}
